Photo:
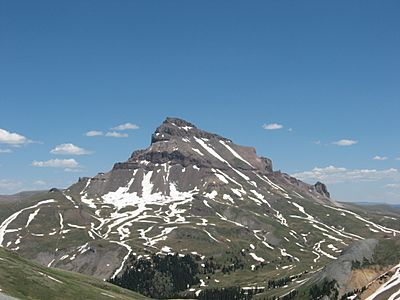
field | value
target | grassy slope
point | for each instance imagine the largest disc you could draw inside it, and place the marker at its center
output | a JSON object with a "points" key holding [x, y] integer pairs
{"points": [[193, 239], [27, 280]]}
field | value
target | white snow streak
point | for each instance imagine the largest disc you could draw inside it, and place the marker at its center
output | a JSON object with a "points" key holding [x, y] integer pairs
{"points": [[32, 216], [235, 153], [6, 222], [257, 258]]}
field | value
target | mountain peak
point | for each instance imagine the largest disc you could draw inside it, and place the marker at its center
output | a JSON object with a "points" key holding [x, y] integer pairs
{"points": [[176, 127], [178, 122], [180, 145]]}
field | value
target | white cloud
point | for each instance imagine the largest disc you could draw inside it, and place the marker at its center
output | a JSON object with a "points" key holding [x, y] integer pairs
{"points": [[73, 170], [12, 138], [272, 126], [345, 142], [5, 151], [116, 134], [57, 163], [334, 174], [377, 157], [39, 183], [94, 133], [125, 126], [393, 185], [69, 149], [317, 142], [9, 185]]}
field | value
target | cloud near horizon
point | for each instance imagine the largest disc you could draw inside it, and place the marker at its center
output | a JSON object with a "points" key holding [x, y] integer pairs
{"points": [[125, 126], [12, 138], [9, 185], [40, 183], [345, 142], [5, 151], [69, 149], [393, 185], [272, 126], [94, 133], [113, 131], [67, 164], [332, 174], [377, 157], [116, 134]]}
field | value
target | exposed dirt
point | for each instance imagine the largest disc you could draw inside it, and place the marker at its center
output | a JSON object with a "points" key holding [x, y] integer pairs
{"points": [[372, 277], [362, 277]]}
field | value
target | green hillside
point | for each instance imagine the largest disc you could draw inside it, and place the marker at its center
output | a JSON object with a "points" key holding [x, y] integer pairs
{"points": [[23, 279]]}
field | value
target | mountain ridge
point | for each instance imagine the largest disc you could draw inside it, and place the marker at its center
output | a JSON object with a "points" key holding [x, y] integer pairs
{"points": [[193, 193]]}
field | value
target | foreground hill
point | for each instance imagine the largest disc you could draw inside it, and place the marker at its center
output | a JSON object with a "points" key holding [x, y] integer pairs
{"points": [[197, 195], [23, 279]]}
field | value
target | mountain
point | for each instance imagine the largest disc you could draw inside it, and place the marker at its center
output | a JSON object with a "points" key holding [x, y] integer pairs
{"points": [[198, 194]]}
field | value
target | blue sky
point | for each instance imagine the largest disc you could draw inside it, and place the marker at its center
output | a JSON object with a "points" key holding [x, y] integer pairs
{"points": [[325, 71]]}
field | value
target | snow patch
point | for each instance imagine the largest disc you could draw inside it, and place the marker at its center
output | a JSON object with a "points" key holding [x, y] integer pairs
{"points": [[32, 216], [257, 258]]}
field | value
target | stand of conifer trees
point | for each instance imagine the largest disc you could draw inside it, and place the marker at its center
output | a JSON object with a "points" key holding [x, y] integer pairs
{"points": [[230, 293], [159, 276], [326, 288]]}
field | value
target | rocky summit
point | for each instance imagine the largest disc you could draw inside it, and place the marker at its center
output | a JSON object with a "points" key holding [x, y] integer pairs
{"points": [[193, 193]]}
